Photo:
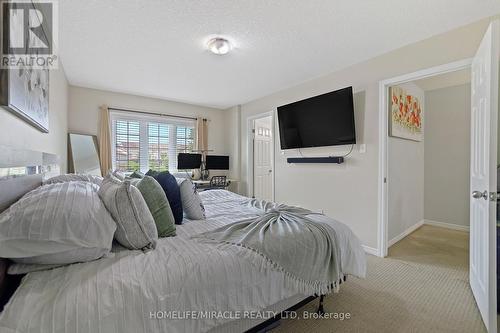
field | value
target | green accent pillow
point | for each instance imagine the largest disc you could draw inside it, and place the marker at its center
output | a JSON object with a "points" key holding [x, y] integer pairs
{"points": [[137, 174], [152, 173], [158, 205]]}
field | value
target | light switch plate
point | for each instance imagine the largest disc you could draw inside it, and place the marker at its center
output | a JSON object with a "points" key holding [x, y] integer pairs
{"points": [[362, 148]]}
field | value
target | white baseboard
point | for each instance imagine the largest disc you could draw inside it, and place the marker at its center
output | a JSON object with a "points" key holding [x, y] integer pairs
{"points": [[406, 233], [447, 225], [370, 250]]}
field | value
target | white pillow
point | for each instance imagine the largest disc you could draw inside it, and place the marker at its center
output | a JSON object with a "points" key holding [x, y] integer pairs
{"points": [[191, 201], [59, 223], [118, 174], [136, 228], [16, 268], [72, 177]]}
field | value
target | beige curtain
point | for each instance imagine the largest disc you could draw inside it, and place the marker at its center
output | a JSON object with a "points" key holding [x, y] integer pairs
{"points": [[105, 141], [202, 135]]}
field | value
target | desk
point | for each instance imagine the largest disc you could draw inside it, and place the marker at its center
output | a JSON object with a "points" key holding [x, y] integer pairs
{"points": [[202, 185], [201, 182]]}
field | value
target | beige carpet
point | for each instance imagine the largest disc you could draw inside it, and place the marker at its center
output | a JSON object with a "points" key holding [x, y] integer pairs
{"points": [[421, 287]]}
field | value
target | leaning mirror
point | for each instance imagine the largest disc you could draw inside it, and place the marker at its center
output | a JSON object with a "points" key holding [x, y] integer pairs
{"points": [[83, 155]]}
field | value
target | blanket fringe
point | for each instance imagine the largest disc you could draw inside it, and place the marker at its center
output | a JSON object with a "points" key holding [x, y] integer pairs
{"points": [[308, 288]]}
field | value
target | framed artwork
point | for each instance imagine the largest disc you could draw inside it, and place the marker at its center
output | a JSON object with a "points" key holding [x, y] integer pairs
{"points": [[24, 89], [405, 115], [25, 93]]}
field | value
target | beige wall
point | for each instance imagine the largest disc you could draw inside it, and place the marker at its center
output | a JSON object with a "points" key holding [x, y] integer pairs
{"points": [[349, 192], [84, 112], [447, 155], [16, 133], [406, 176]]}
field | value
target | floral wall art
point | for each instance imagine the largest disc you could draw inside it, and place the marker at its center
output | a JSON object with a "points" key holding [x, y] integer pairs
{"points": [[406, 115]]}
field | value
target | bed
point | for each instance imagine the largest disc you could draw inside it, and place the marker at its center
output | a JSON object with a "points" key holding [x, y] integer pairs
{"points": [[181, 286]]}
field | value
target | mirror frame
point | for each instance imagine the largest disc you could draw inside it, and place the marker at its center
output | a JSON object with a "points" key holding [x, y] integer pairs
{"points": [[71, 165]]}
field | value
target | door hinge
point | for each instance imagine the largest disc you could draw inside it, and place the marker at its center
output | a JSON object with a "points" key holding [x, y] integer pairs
{"points": [[385, 180]]}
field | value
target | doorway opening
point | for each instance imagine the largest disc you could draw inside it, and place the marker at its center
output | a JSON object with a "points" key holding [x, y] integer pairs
{"points": [[261, 156], [428, 157], [428, 162], [483, 143], [404, 86]]}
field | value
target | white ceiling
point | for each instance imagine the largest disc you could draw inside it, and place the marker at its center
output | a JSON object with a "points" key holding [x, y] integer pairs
{"points": [[156, 47], [445, 80]]}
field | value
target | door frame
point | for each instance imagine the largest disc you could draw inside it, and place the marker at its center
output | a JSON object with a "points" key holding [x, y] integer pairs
{"points": [[383, 202], [250, 151]]}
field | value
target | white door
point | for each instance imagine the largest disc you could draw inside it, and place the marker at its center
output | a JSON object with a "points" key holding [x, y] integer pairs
{"points": [[263, 157], [483, 177]]}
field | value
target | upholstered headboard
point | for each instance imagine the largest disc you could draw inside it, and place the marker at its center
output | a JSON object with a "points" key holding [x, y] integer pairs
{"points": [[21, 171]]}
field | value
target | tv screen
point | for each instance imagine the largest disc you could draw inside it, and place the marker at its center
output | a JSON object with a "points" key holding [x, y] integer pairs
{"points": [[324, 120], [215, 162], [188, 161]]}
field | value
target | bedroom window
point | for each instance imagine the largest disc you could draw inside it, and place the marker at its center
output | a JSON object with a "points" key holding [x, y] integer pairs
{"points": [[127, 145], [149, 142], [158, 138], [185, 139]]}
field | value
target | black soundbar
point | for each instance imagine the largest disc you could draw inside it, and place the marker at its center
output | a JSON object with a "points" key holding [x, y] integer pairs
{"points": [[331, 159]]}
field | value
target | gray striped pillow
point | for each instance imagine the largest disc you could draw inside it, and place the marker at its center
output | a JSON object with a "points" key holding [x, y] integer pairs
{"points": [[191, 202], [136, 228], [73, 177], [58, 223]]}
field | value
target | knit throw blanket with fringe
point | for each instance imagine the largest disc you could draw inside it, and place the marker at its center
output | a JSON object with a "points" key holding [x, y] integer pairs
{"points": [[286, 237]]}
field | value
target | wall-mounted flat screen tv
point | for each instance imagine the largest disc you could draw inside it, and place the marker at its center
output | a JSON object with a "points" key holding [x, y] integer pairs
{"points": [[324, 120]]}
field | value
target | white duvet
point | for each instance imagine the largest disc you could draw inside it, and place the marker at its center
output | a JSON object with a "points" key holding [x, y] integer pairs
{"points": [[134, 291]]}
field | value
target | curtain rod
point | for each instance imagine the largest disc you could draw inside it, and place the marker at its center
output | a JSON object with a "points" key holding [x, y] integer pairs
{"points": [[153, 114]]}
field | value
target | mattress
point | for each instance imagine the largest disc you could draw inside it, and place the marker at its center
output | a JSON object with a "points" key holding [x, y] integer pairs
{"points": [[181, 286]]}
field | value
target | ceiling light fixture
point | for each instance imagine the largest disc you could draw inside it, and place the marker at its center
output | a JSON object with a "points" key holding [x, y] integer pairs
{"points": [[219, 46]]}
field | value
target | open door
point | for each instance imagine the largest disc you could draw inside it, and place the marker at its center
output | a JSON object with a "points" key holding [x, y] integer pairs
{"points": [[483, 175]]}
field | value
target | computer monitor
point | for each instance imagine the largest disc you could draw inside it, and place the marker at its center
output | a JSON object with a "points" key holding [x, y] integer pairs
{"points": [[188, 161], [216, 162]]}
